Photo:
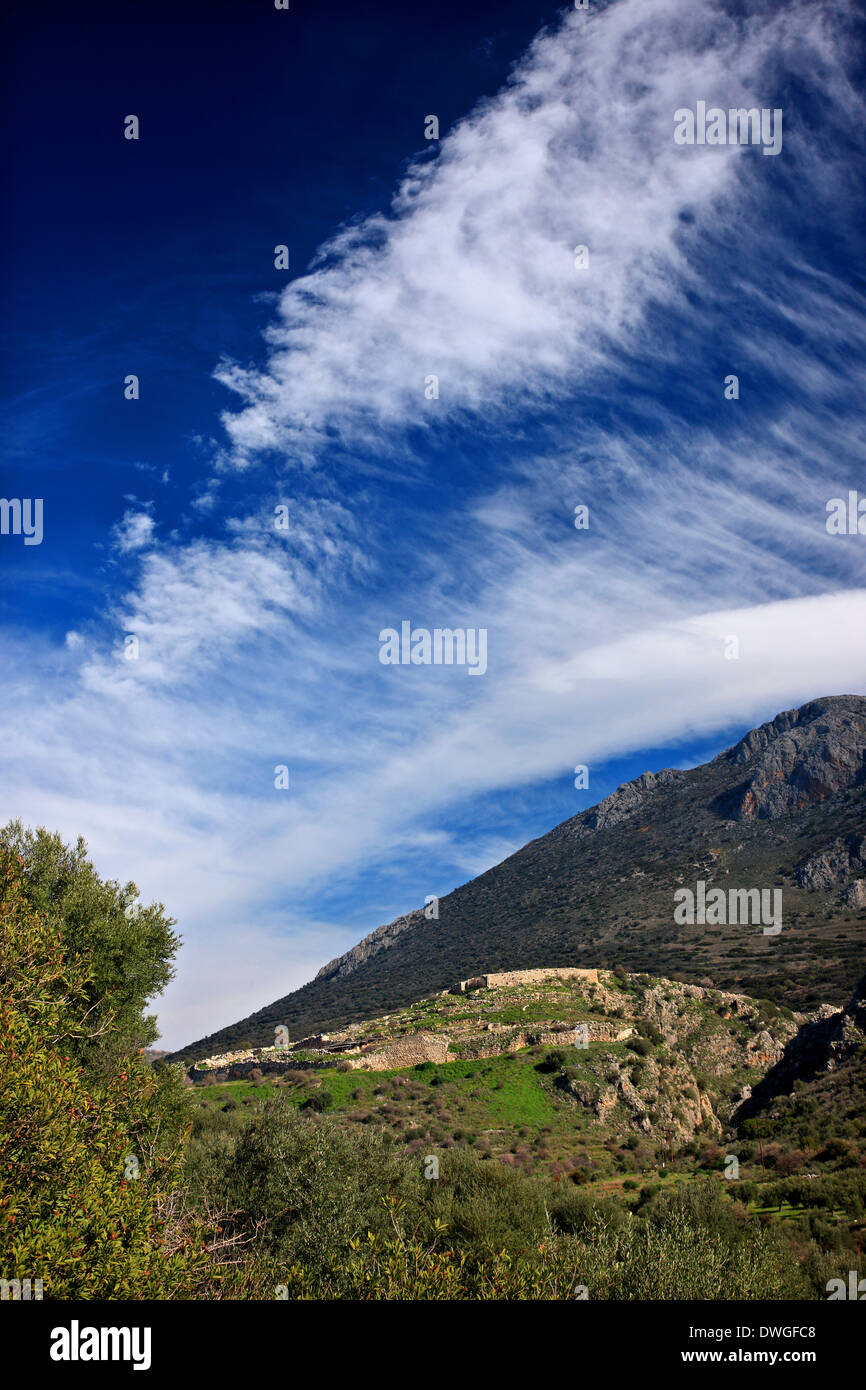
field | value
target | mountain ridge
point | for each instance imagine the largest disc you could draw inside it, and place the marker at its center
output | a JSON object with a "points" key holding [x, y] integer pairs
{"points": [[804, 790]]}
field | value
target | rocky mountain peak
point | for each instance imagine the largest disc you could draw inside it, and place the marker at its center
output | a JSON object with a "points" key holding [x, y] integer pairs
{"points": [[801, 757]]}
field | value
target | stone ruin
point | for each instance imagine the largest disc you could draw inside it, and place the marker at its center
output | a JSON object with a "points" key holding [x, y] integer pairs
{"points": [[525, 977], [383, 1054]]}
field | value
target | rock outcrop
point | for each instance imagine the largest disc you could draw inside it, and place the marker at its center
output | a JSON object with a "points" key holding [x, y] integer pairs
{"points": [[820, 1045], [627, 799], [832, 867], [855, 894], [378, 940], [799, 758]]}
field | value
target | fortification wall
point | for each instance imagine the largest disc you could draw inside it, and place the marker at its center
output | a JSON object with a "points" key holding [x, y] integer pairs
{"points": [[403, 1052], [527, 977]]}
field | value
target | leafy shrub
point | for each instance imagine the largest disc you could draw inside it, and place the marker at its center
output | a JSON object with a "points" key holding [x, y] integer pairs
{"points": [[89, 1200], [318, 1101], [305, 1188], [651, 1033], [486, 1205], [555, 1060], [128, 948]]}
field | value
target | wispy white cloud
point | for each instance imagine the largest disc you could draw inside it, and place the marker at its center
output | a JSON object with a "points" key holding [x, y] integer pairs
{"points": [[133, 532], [471, 275]]}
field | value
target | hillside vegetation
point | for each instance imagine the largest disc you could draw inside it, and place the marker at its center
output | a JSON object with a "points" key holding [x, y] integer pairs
{"points": [[532, 1166]]}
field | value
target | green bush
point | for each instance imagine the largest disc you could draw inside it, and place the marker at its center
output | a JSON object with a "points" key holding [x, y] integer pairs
{"points": [[129, 948], [89, 1188], [486, 1205], [318, 1101], [555, 1060], [304, 1187]]}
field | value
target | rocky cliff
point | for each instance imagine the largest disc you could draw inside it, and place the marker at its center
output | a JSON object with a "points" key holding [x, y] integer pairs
{"points": [[801, 758]]}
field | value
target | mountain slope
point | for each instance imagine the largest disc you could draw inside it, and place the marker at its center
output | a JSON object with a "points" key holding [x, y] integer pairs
{"points": [[784, 808]]}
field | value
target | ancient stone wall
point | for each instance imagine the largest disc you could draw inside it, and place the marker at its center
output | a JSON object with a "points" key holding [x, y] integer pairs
{"points": [[527, 977], [403, 1052], [500, 1038]]}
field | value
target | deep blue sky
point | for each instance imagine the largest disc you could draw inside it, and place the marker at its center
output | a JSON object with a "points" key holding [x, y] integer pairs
{"points": [[155, 257], [258, 127]]}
